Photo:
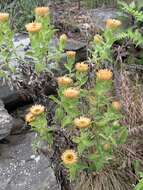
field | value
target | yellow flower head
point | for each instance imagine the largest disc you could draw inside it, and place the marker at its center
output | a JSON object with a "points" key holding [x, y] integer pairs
{"points": [[104, 74], [64, 81], [71, 54], [69, 157], [71, 93], [116, 105], [82, 122], [81, 67], [113, 24], [42, 11], [33, 27], [29, 117], [4, 17], [37, 109], [98, 38], [63, 38]]}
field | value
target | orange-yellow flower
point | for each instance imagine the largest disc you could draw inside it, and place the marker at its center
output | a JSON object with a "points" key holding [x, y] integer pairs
{"points": [[71, 93], [104, 74], [64, 81], [42, 11], [81, 67], [82, 122], [37, 109], [71, 54], [4, 17], [69, 157], [63, 38], [113, 24], [33, 27], [29, 117], [116, 105], [98, 38]]}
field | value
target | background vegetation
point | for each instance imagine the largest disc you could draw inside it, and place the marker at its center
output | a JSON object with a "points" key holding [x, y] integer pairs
{"points": [[21, 12]]}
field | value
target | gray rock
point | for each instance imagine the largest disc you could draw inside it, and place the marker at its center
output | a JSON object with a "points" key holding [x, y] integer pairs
{"points": [[21, 169], [46, 184], [6, 122], [96, 19], [99, 16], [12, 98], [19, 126], [79, 47]]}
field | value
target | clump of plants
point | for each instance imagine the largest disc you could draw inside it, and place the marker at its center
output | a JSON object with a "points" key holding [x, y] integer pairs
{"points": [[38, 57], [86, 129], [6, 47], [41, 34]]}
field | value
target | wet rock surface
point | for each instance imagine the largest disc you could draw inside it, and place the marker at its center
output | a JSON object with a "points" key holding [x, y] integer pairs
{"points": [[21, 169], [6, 122]]}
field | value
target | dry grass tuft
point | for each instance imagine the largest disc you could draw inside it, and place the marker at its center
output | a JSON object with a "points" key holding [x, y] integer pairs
{"points": [[132, 100], [108, 180]]}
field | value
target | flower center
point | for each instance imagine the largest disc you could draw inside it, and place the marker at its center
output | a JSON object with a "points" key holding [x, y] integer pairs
{"points": [[70, 157], [37, 110]]}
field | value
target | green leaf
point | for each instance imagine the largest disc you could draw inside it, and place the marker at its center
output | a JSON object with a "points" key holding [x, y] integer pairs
{"points": [[55, 99], [40, 121], [102, 87], [59, 114], [122, 135], [98, 161], [83, 142], [39, 67], [139, 186], [72, 171], [3, 74], [66, 121]]}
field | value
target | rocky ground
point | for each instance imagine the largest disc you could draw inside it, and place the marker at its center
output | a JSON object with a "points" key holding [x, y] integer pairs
{"points": [[22, 169]]}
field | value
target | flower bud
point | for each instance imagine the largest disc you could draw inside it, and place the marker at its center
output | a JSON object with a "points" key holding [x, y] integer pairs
{"points": [[82, 122], [113, 24], [64, 81], [98, 38], [81, 67], [104, 74], [33, 27], [42, 11], [71, 93], [4, 17], [116, 105]]}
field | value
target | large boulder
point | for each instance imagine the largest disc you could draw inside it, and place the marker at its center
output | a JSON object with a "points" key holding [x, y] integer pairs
{"points": [[6, 122], [21, 169]]}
